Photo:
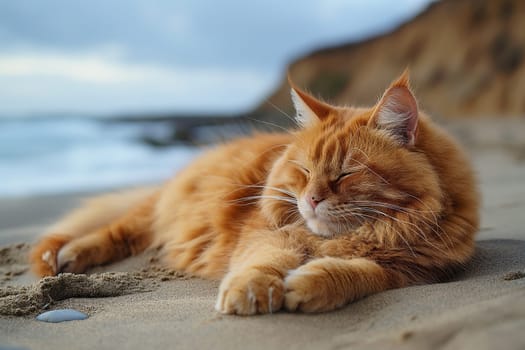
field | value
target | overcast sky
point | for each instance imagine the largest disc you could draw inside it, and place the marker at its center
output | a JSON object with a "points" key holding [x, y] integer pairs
{"points": [[131, 56]]}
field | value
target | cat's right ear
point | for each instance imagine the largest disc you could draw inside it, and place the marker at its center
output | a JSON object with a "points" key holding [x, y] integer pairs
{"points": [[397, 112], [309, 110]]}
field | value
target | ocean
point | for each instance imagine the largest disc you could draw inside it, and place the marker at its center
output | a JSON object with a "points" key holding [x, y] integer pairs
{"points": [[74, 154]]}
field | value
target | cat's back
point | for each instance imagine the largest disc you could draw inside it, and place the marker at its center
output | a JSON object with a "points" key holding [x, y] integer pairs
{"points": [[453, 166], [243, 160], [457, 181]]}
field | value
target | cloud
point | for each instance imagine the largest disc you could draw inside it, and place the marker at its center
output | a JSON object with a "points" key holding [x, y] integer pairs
{"points": [[90, 69], [104, 84], [234, 33], [225, 55]]}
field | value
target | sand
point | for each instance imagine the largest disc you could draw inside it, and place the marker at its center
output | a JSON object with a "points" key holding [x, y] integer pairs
{"points": [[137, 304]]}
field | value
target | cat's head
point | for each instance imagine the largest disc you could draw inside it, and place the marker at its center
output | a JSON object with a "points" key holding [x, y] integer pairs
{"points": [[350, 166]]}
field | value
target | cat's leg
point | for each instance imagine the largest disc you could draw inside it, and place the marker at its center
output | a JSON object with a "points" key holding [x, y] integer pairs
{"points": [[255, 283], [328, 283], [104, 230], [127, 236]]}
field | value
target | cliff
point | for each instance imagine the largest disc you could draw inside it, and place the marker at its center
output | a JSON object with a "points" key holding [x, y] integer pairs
{"points": [[466, 57]]}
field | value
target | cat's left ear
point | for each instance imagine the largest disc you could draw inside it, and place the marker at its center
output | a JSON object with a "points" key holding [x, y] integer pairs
{"points": [[309, 110], [397, 112]]}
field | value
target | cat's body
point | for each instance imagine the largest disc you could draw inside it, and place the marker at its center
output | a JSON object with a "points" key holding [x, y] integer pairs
{"points": [[355, 202]]}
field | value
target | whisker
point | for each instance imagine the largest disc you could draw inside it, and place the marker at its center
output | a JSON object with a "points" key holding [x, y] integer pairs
{"points": [[410, 226], [277, 198], [362, 152], [414, 228], [392, 229], [290, 193], [372, 171], [282, 112], [269, 123], [410, 211]]}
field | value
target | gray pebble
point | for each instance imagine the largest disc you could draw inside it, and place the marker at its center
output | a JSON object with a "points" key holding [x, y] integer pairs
{"points": [[62, 315]]}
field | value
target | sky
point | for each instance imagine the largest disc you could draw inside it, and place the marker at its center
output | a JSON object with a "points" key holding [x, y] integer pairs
{"points": [[118, 57]]}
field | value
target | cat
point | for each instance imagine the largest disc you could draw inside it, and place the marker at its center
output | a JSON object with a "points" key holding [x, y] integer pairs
{"points": [[353, 202]]}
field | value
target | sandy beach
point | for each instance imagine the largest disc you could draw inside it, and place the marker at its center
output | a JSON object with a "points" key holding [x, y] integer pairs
{"points": [[137, 304]]}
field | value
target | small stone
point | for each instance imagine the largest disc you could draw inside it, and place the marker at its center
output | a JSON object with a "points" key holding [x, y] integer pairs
{"points": [[55, 316]]}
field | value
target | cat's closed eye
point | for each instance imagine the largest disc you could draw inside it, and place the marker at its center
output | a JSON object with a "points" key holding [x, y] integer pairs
{"points": [[344, 175], [301, 167], [347, 173], [305, 170]]}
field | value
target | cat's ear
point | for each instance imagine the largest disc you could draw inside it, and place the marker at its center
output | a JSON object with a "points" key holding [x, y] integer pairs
{"points": [[309, 110], [397, 112]]}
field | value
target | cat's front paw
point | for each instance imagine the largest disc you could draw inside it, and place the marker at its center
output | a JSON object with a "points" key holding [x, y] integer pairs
{"points": [[307, 289], [55, 254], [250, 292], [43, 256]]}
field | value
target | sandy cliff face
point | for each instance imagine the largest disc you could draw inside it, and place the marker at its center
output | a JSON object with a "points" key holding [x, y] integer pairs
{"points": [[467, 59]]}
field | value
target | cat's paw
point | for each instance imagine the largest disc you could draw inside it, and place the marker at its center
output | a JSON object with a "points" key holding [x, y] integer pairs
{"points": [[307, 290], [250, 292], [43, 256]]}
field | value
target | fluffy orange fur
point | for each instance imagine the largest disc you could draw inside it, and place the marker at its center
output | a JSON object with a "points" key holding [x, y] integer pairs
{"points": [[354, 202]]}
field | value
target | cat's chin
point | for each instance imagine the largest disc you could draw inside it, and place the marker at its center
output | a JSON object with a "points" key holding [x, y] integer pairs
{"points": [[321, 228], [318, 224], [325, 228]]}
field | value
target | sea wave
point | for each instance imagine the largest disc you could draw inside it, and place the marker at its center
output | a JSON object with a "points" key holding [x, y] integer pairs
{"points": [[59, 155]]}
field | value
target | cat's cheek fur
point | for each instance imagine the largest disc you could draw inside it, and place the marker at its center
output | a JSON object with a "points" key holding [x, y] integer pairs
{"points": [[250, 292]]}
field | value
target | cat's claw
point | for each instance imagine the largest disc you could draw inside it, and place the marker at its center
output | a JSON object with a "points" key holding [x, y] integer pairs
{"points": [[250, 293], [49, 259]]}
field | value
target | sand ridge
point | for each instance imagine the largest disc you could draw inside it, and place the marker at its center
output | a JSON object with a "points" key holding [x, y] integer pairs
{"points": [[24, 300]]}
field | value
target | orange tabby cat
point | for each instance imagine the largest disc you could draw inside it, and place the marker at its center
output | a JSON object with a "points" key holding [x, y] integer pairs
{"points": [[355, 202]]}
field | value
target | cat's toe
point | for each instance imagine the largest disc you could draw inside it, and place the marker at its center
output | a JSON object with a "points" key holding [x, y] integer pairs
{"points": [[68, 261], [296, 293], [48, 263], [305, 292], [249, 294]]}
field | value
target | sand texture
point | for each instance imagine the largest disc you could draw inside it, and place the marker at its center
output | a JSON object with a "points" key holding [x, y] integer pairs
{"points": [[136, 304]]}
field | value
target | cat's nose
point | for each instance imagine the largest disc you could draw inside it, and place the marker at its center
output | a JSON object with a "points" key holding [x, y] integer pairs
{"points": [[314, 201]]}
